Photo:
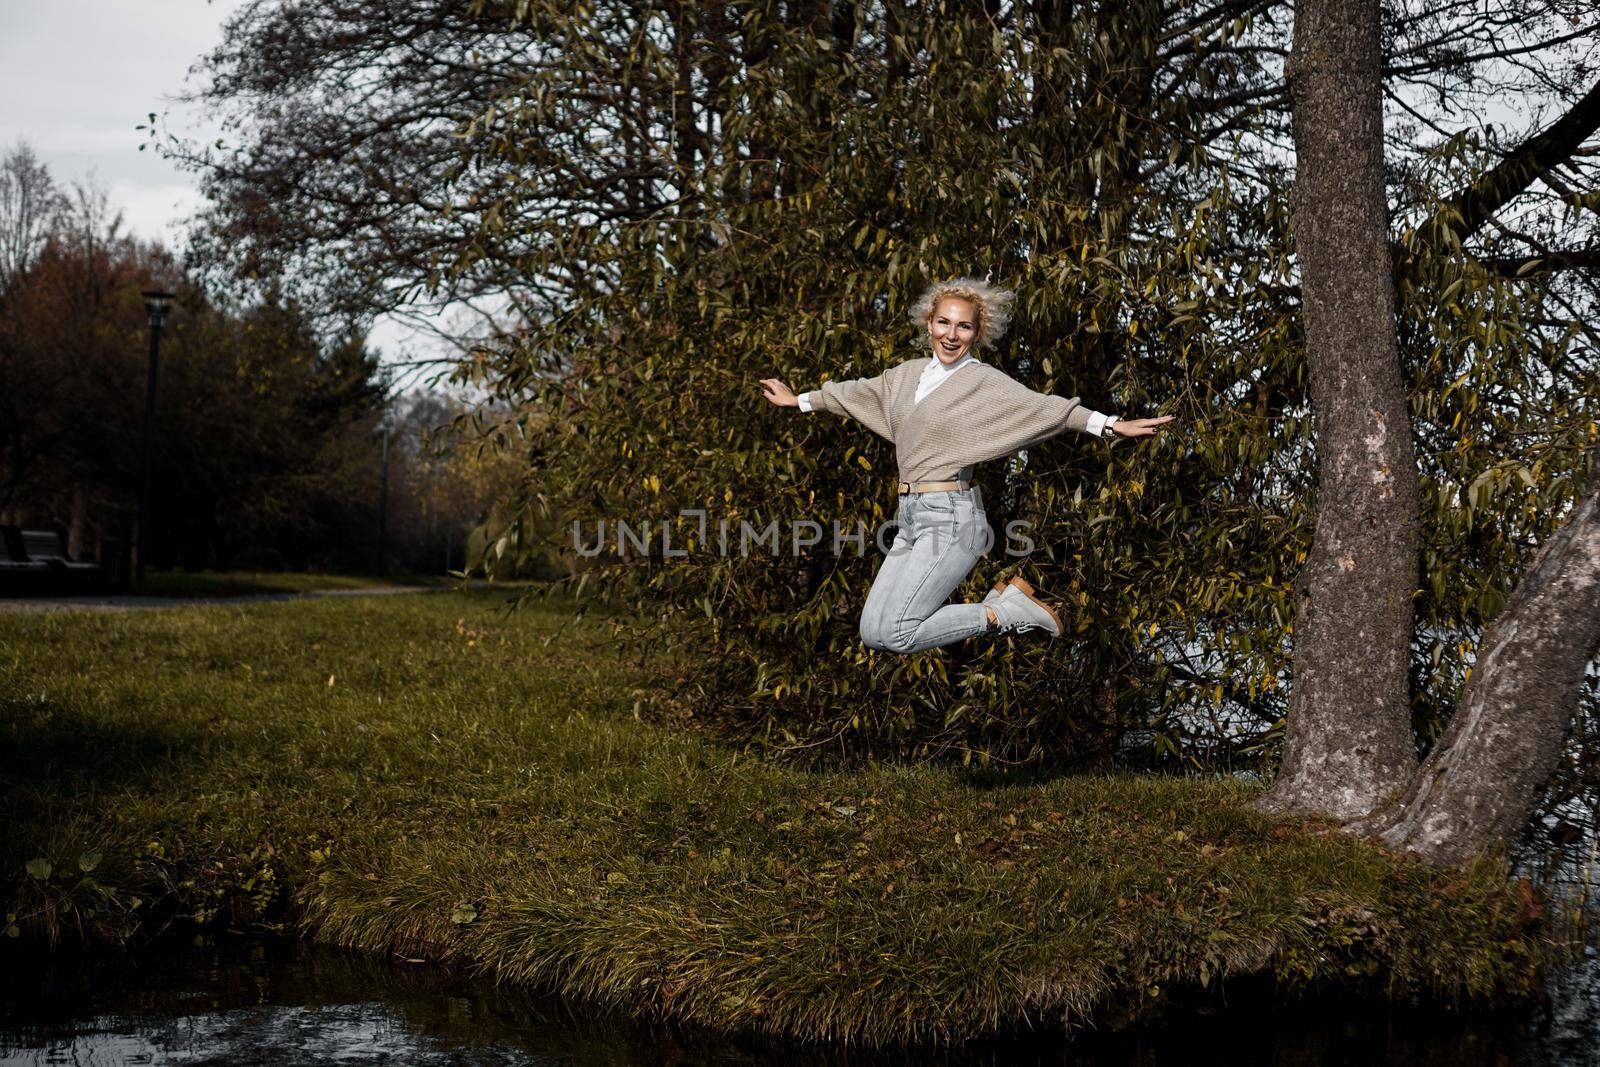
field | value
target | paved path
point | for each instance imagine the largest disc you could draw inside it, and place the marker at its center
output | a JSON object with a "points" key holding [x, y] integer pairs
{"points": [[36, 605]]}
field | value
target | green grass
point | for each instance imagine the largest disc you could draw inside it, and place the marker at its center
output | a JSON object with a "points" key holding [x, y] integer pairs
{"points": [[244, 583], [422, 777]]}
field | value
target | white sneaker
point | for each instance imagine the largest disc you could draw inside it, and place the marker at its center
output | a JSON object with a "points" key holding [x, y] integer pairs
{"points": [[1000, 589], [1016, 584], [1021, 611]]}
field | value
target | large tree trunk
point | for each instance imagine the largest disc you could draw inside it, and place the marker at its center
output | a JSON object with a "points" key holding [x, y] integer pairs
{"points": [[1349, 747], [1478, 787]]}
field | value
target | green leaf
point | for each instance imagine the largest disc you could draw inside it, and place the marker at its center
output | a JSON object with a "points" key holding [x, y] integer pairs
{"points": [[40, 868]]}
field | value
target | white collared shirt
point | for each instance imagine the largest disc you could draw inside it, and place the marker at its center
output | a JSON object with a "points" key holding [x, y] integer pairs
{"points": [[936, 373]]}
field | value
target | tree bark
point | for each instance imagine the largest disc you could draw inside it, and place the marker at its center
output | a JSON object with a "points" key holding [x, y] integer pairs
{"points": [[1349, 749], [1478, 787]]}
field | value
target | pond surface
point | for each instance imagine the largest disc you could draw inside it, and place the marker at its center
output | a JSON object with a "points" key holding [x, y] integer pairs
{"points": [[281, 1003]]}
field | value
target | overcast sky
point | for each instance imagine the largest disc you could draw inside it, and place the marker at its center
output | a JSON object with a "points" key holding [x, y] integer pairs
{"points": [[76, 77]]}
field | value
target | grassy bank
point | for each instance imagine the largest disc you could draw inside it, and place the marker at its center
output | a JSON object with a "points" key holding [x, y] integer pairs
{"points": [[422, 777]]}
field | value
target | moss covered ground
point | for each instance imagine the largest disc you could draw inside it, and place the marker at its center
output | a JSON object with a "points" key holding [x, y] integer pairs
{"points": [[426, 777]]}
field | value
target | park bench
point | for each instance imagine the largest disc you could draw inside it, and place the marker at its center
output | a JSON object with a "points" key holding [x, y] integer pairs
{"points": [[36, 561], [20, 575]]}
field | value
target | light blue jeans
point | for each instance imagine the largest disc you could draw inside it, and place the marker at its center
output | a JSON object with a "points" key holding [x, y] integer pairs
{"points": [[941, 538]]}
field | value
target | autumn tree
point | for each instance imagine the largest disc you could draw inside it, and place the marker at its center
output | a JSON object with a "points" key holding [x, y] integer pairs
{"points": [[266, 453], [447, 478], [1349, 752]]}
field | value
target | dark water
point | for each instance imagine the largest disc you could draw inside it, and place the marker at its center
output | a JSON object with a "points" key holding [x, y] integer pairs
{"points": [[282, 1004]]}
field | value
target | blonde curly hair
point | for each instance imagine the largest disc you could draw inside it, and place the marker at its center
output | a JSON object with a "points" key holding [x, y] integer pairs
{"points": [[992, 303]]}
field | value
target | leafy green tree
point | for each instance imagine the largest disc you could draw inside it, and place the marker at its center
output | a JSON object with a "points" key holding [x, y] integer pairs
{"points": [[899, 164], [666, 202], [265, 447]]}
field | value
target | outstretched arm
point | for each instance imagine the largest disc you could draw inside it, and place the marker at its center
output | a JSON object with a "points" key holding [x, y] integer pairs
{"points": [[864, 399], [1015, 416], [1019, 417]]}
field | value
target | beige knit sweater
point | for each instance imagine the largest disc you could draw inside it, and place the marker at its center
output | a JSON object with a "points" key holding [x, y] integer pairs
{"points": [[981, 413]]}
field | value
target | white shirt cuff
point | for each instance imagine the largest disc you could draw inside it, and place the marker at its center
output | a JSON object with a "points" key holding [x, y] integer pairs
{"points": [[805, 402], [1098, 423]]}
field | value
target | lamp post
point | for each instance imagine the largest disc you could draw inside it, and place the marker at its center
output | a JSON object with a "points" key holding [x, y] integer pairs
{"points": [[155, 302], [383, 505]]}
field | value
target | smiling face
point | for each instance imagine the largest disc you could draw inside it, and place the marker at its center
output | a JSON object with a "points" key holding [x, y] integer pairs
{"points": [[951, 328]]}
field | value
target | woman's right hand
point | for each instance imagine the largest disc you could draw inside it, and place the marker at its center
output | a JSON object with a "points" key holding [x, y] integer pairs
{"points": [[774, 390]]}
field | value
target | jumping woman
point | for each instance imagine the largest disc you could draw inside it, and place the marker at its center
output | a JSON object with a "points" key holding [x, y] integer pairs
{"points": [[946, 413]]}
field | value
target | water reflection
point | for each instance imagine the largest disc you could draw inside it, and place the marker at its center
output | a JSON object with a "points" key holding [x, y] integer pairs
{"points": [[282, 1003]]}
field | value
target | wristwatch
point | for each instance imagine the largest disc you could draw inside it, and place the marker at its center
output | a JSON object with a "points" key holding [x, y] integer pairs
{"points": [[1106, 430]]}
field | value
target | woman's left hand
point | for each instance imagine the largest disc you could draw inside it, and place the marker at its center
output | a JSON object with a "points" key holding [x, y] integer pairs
{"points": [[1139, 427]]}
